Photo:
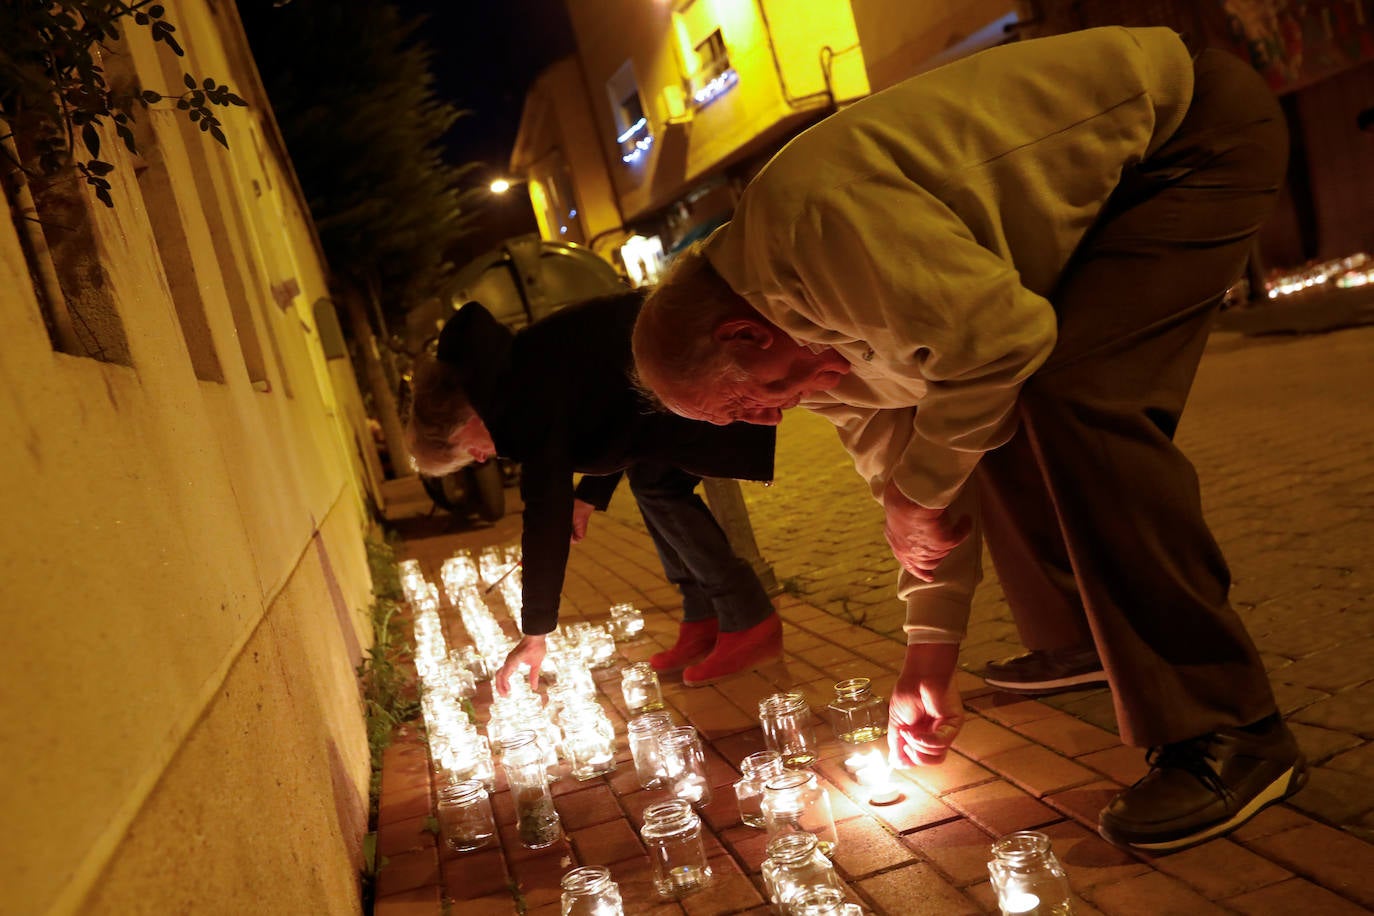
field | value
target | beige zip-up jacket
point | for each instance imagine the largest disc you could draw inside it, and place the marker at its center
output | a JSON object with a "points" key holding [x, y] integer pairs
{"points": [[918, 233]]}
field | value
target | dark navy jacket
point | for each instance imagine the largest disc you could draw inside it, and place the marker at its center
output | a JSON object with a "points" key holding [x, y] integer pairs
{"points": [[557, 397]]}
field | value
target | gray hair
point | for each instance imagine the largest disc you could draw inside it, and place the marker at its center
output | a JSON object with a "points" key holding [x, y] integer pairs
{"points": [[675, 350], [439, 409]]}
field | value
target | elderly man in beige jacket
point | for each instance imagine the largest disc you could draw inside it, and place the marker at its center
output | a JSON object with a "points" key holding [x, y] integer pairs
{"points": [[996, 279]]}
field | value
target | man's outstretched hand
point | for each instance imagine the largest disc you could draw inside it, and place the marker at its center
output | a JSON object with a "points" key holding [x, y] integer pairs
{"points": [[530, 651], [925, 712], [582, 515], [919, 537]]}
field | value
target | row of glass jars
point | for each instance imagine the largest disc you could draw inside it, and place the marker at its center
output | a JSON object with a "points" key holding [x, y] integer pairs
{"points": [[798, 877], [857, 715]]}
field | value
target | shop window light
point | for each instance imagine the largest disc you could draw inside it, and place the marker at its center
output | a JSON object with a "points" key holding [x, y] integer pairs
{"points": [[714, 76]]}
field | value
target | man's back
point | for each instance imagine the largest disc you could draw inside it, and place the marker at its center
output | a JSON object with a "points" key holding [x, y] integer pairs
{"points": [[1023, 143]]}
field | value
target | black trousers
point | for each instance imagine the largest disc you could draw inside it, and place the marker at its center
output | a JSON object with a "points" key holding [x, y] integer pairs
{"points": [[1092, 515], [696, 556]]}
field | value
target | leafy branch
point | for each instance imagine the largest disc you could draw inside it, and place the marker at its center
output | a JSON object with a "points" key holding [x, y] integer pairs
{"points": [[54, 91]]}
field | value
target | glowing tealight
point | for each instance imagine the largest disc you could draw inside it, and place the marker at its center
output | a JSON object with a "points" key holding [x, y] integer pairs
{"points": [[875, 774]]}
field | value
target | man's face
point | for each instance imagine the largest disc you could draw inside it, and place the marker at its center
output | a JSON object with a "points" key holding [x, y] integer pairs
{"points": [[775, 374]]}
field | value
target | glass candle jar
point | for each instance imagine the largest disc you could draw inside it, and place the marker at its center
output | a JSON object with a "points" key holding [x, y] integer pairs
{"points": [[787, 728], [639, 685], [756, 769], [1027, 876], [465, 818], [475, 662], [592, 643], [857, 716], [575, 675], [684, 765], [458, 678], [469, 758], [644, 732], [795, 865], [588, 741], [823, 901], [536, 818], [626, 621], [589, 891], [794, 801], [672, 833]]}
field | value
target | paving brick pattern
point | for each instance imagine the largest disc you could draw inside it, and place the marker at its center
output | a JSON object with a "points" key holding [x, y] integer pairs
{"points": [[1281, 430]]}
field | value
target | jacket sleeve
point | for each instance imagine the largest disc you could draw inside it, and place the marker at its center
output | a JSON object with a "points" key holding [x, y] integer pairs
{"points": [[547, 490], [887, 263], [598, 489], [936, 611]]}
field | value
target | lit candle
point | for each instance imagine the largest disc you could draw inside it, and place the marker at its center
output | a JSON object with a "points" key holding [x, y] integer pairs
{"points": [[875, 775], [1020, 903], [691, 788]]}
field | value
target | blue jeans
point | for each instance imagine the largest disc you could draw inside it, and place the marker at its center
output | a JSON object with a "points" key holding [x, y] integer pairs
{"points": [[696, 556]]}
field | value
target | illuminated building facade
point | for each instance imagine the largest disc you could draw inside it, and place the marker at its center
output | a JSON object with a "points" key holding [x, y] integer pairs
{"points": [[681, 101]]}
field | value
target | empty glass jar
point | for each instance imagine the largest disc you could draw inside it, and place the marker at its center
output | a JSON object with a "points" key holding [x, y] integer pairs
{"points": [[756, 769], [794, 801], [644, 732], [672, 833], [589, 891], [465, 818], [788, 729], [640, 687], [857, 716], [795, 865], [536, 819], [1027, 876], [684, 765]]}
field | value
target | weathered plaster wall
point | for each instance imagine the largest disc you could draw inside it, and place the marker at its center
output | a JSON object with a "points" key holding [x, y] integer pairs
{"points": [[178, 710]]}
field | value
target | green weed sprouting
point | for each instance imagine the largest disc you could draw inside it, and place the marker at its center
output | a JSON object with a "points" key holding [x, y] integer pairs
{"points": [[389, 699]]}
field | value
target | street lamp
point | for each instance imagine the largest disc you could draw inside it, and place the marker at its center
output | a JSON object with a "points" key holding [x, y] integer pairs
{"points": [[500, 186]]}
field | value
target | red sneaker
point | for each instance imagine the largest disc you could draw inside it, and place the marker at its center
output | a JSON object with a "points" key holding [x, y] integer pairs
{"points": [[738, 652], [694, 642]]}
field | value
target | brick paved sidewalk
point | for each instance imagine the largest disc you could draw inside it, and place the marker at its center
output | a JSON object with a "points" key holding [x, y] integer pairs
{"points": [[1017, 764]]}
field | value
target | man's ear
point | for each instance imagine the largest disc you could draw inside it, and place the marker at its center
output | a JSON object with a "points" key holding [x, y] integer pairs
{"points": [[749, 331]]}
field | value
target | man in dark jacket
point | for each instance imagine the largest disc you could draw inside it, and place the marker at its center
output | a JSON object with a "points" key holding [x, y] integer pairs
{"points": [[557, 397]]}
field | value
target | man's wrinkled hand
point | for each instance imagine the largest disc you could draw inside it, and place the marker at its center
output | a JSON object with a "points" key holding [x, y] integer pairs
{"points": [[925, 712], [582, 516], [528, 651], [920, 538]]}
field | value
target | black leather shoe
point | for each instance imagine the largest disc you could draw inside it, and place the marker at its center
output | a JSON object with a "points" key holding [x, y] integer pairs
{"points": [[1206, 786], [1045, 671]]}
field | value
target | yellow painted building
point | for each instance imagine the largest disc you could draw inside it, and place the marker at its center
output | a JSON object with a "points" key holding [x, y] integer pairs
{"points": [[187, 479], [641, 142], [678, 99]]}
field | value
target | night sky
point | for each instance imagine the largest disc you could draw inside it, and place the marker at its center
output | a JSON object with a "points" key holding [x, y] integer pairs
{"points": [[486, 54]]}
